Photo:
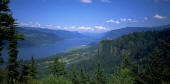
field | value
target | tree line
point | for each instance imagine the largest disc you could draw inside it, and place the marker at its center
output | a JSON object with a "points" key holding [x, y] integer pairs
{"points": [[155, 71]]}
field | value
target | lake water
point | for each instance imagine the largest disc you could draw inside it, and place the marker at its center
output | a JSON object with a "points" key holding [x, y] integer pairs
{"points": [[52, 49]]}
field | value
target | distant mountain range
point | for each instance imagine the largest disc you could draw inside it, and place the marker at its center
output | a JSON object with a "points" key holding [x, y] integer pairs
{"points": [[39, 36], [127, 30], [42, 36]]}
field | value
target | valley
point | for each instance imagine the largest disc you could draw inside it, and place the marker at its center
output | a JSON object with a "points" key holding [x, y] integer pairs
{"points": [[40, 47], [44, 42], [84, 42], [109, 53]]}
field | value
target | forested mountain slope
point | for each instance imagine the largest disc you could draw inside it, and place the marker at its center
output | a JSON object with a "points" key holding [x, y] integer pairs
{"points": [[110, 53], [39, 36], [137, 46]]}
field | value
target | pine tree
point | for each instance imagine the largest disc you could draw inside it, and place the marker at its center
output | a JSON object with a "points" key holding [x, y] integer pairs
{"points": [[1, 59], [25, 73], [126, 63], [2, 75], [99, 76], [4, 10], [3, 33], [133, 72], [84, 79], [57, 68], [75, 78], [8, 27], [154, 69], [33, 70], [127, 73], [4, 5], [12, 66], [158, 67], [12, 62], [123, 74], [9, 23]]}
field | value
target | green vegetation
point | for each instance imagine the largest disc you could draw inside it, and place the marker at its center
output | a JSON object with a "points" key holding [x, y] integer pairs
{"points": [[8, 32], [137, 46], [99, 76], [57, 68], [33, 70], [134, 50], [137, 58], [69, 58], [37, 37]]}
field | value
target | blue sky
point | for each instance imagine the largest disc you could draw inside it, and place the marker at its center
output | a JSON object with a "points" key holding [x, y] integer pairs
{"points": [[90, 15]]}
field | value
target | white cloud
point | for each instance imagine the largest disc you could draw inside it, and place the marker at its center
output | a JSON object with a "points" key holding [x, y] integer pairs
{"points": [[106, 1], [49, 26], [30, 24], [101, 28], [38, 25], [157, 16], [123, 19], [86, 1], [113, 21], [145, 18], [96, 29], [110, 21], [131, 20], [85, 28], [23, 24], [58, 27]]}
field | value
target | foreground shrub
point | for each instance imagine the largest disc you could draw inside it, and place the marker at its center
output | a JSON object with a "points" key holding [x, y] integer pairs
{"points": [[52, 79]]}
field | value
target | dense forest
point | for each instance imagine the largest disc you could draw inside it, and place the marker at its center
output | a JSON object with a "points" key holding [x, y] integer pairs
{"points": [[136, 58], [137, 46]]}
